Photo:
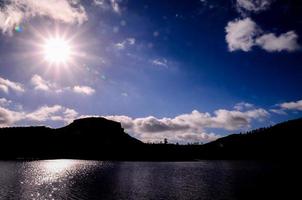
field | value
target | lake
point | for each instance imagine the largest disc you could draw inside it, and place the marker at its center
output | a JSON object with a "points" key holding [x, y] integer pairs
{"points": [[80, 179]]}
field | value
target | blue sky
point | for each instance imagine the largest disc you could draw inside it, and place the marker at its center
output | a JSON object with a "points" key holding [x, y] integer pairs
{"points": [[189, 71]]}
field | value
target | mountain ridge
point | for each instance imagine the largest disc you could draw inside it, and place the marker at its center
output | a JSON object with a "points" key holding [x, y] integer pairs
{"points": [[103, 139]]}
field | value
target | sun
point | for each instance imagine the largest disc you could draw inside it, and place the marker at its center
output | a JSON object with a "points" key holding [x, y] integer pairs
{"points": [[57, 50]]}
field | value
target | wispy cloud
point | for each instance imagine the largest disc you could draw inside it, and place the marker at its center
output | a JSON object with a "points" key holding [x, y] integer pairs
{"points": [[127, 42], [99, 2], [278, 111], [255, 6], [243, 106], [7, 85], [160, 62], [14, 12], [113, 4]]}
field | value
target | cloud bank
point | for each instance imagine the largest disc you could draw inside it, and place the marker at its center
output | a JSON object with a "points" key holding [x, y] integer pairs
{"points": [[45, 113], [52, 113], [189, 127]]}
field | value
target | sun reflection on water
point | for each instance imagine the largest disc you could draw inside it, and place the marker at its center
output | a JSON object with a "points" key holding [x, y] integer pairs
{"points": [[52, 170], [49, 178], [58, 166]]}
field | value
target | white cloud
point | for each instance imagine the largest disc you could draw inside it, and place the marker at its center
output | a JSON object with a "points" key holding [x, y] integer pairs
{"points": [[52, 113], [240, 34], [234, 120], [15, 11], [287, 106], [284, 42], [70, 115], [243, 34], [192, 125], [40, 84], [86, 90], [294, 105], [253, 5], [9, 117], [160, 62], [7, 85], [5, 117], [43, 85], [127, 42], [120, 45], [43, 114]]}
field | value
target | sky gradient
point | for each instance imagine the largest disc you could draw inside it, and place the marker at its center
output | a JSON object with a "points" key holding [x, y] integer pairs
{"points": [[189, 71]]}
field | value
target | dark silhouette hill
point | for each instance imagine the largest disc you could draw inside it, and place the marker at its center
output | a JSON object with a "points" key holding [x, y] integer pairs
{"points": [[102, 139], [88, 138], [98, 130], [281, 141]]}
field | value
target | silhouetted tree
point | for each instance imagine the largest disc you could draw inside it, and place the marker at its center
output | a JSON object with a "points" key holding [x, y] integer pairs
{"points": [[165, 141]]}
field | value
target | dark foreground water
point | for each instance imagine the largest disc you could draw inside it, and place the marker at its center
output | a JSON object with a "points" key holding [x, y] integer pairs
{"points": [[77, 179]]}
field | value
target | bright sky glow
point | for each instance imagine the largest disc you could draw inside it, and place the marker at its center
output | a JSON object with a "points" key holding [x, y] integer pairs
{"points": [[57, 51]]}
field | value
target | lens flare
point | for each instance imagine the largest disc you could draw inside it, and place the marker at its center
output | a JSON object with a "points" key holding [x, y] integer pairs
{"points": [[18, 29]]}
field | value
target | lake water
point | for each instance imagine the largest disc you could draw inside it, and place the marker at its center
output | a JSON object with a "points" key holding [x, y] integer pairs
{"points": [[78, 179]]}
